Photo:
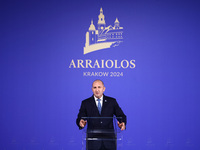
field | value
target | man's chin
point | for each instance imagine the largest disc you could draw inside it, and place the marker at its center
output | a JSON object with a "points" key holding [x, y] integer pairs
{"points": [[97, 96]]}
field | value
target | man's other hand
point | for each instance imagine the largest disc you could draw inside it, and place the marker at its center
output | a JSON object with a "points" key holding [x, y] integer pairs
{"points": [[82, 123], [121, 125]]}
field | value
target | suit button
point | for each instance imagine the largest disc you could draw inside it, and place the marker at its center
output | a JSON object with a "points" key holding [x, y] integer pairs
{"points": [[101, 122]]}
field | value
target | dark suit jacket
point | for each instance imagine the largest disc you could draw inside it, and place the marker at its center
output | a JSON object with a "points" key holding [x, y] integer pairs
{"points": [[110, 109]]}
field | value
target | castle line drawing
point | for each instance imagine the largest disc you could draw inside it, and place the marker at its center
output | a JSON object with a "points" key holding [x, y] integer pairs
{"points": [[104, 37]]}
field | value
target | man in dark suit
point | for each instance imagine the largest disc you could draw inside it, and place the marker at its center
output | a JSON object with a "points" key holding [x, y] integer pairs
{"points": [[97, 112]]}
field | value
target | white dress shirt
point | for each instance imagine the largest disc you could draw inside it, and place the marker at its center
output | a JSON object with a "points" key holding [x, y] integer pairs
{"points": [[101, 101]]}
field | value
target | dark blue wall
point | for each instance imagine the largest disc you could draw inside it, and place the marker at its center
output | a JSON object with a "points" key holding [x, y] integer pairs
{"points": [[40, 95]]}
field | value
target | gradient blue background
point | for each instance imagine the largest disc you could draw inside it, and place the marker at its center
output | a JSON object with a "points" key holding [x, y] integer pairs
{"points": [[40, 95]]}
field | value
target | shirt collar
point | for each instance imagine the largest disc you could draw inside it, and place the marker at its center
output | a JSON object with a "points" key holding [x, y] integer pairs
{"points": [[98, 98]]}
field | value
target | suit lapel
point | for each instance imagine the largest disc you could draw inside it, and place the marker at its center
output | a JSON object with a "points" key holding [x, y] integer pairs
{"points": [[104, 104]]}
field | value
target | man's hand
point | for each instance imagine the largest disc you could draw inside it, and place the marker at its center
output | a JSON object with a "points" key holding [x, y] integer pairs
{"points": [[82, 123], [121, 125]]}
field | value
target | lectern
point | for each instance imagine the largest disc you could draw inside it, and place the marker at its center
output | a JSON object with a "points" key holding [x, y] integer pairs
{"points": [[102, 130]]}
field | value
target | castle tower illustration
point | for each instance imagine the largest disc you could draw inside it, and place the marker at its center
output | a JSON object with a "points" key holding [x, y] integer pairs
{"points": [[116, 26], [103, 37], [92, 34], [101, 21]]}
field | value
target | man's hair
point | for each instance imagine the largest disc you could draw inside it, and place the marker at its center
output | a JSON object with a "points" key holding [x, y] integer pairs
{"points": [[98, 80]]}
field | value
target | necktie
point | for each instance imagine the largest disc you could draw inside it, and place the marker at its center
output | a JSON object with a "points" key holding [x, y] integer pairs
{"points": [[99, 106]]}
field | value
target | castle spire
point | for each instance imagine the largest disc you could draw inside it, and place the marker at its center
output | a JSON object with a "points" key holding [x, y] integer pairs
{"points": [[101, 10], [92, 27], [101, 21], [101, 17], [116, 24], [116, 21]]}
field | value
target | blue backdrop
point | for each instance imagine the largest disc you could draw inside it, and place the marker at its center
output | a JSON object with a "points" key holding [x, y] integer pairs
{"points": [[40, 94]]}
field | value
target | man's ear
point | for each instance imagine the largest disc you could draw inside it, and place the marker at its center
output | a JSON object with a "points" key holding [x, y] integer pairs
{"points": [[104, 88]]}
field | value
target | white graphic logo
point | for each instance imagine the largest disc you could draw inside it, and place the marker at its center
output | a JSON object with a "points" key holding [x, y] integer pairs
{"points": [[104, 37]]}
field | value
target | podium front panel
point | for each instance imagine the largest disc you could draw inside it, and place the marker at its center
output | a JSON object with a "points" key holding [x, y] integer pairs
{"points": [[102, 132]]}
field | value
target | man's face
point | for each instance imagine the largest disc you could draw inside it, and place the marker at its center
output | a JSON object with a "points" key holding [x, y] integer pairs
{"points": [[98, 89]]}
